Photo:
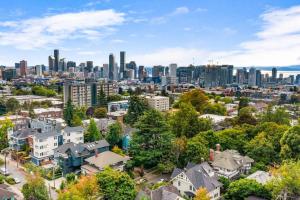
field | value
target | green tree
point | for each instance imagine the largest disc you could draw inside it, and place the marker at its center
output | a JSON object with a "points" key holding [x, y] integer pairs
{"points": [[116, 185], [5, 126], [100, 113], [265, 146], [279, 116], [286, 179], [76, 121], [152, 143], [185, 122], [69, 113], [232, 139], [92, 134], [196, 97], [136, 107], [3, 108], [216, 108], [115, 97], [12, 105], [243, 102], [114, 134], [101, 98], [290, 148], [197, 149], [35, 188], [243, 188], [81, 112], [245, 116]]}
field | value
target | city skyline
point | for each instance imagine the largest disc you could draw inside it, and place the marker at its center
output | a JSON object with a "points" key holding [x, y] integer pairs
{"points": [[256, 33]]}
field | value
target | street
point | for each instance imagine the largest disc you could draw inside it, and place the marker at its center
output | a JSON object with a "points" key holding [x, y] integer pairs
{"points": [[18, 172]]}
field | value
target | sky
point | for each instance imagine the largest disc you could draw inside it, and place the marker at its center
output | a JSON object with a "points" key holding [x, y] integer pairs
{"points": [[242, 33]]}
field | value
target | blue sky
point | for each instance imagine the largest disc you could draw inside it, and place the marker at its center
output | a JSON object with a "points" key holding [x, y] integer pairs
{"points": [[243, 33]]}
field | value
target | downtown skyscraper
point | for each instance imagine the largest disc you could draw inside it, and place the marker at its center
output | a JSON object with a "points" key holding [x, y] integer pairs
{"points": [[56, 60], [111, 66], [122, 63]]}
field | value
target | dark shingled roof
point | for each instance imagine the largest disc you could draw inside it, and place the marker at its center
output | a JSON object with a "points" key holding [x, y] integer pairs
{"points": [[168, 192], [24, 133], [199, 176], [73, 129]]}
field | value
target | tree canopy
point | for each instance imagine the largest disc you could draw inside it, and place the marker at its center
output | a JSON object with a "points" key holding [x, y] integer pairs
{"points": [[136, 107], [114, 134], [35, 188], [196, 97], [92, 134], [116, 185]]}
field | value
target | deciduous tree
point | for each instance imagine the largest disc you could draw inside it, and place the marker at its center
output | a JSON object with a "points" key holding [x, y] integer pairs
{"points": [[35, 188]]}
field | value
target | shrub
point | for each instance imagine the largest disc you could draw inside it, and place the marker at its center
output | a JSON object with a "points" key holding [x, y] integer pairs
{"points": [[10, 180]]}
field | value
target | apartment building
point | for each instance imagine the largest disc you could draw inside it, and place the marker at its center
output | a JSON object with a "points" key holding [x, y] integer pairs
{"points": [[45, 113], [85, 93], [159, 103]]}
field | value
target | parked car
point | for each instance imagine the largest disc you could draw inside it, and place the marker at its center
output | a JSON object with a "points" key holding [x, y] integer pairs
{"points": [[4, 171], [17, 180]]}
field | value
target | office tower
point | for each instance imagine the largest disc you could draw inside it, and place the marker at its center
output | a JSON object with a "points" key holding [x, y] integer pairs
{"points": [[240, 76], [111, 66], [292, 79], [116, 69], [297, 81], [184, 74], [105, 70], [38, 70], [122, 63], [274, 74], [230, 74], [252, 77], [71, 64], [62, 65], [158, 71], [258, 78], [51, 63], [17, 65], [167, 71], [56, 60], [89, 66], [132, 65], [9, 74], [141, 72], [173, 68], [23, 67]]}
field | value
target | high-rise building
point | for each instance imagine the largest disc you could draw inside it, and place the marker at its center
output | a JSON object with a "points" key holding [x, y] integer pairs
{"points": [[51, 63], [71, 64], [56, 60], [9, 74], [132, 65], [274, 74], [38, 70], [122, 63], [17, 65], [111, 66], [23, 67], [173, 68], [141, 72], [252, 77], [258, 78], [105, 70], [62, 65], [89, 66]]}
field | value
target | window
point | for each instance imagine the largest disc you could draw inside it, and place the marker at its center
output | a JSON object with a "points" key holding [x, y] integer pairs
{"points": [[41, 154], [55, 137], [55, 144], [68, 140], [41, 147], [191, 187], [178, 183], [68, 134]]}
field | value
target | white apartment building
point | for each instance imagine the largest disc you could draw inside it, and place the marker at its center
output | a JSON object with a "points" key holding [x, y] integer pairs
{"points": [[73, 134], [159, 103]]}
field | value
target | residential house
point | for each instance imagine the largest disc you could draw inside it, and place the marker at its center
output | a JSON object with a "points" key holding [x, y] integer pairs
{"points": [[18, 139], [70, 156], [99, 161], [7, 194], [260, 176], [229, 163], [19, 121], [168, 192], [195, 176], [73, 134], [45, 113]]}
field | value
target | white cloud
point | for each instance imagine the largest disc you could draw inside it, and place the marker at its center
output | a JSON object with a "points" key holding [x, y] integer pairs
{"points": [[97, 2], [201, 10], [118, 41], [187, 28], [277, 44], [163, 19], [39, 32], [180, 10], [229, 31]]}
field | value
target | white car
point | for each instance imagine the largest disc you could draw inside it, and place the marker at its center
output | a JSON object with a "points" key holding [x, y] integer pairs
{"points": [[17, 180], [4, 171]]}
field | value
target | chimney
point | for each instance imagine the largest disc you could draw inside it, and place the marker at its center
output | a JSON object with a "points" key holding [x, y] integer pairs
{"points": [[218, 147], [211, 154], [96, 153]]}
